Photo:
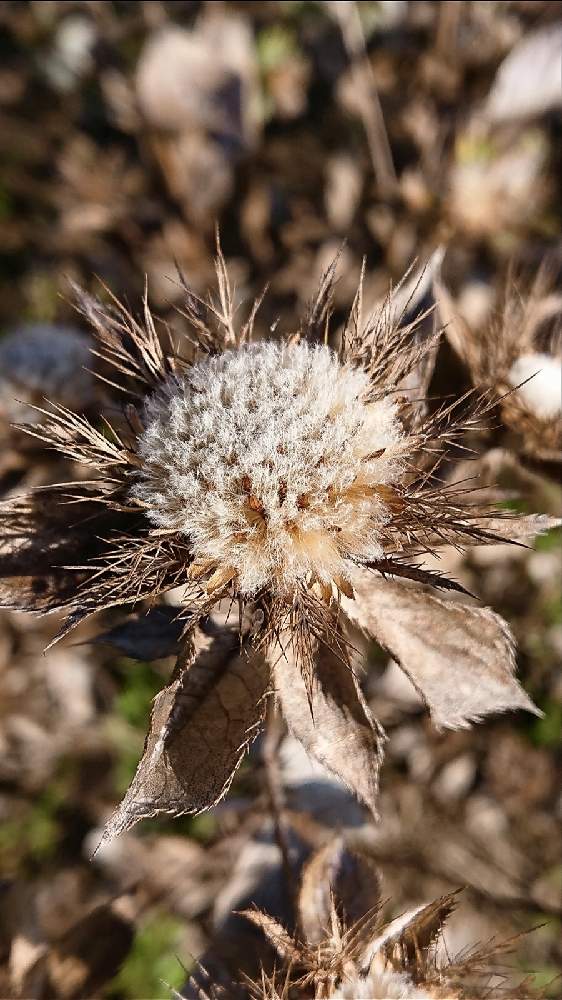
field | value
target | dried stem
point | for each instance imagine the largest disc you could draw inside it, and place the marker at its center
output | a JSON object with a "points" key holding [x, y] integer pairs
{"points": [[448, 25], [274, 788], [347, 15]]}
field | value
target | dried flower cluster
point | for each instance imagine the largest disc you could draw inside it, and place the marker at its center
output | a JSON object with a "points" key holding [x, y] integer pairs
{"points": [[295, 482], [522, 352]]}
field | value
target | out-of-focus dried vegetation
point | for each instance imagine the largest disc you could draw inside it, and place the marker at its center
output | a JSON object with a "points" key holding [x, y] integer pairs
{"points": [[127, 130]]}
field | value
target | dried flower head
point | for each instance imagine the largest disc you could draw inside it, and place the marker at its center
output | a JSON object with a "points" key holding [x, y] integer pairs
{"points": [[295, 483], [344, 949], [521, 355], [273, 463]]}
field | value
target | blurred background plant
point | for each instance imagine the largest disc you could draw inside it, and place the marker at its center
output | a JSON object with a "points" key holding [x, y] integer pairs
{"points": [[127, 130]]}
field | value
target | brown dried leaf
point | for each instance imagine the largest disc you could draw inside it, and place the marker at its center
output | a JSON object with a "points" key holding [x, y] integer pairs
{"points": [[90, 953], [461, 337], [200, 728], [147, 637], [341, 877], [461, 659], [335, 725]]}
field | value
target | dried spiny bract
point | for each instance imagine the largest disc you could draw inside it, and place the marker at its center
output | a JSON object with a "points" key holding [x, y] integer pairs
{"points": [[288, 482], [271, 463]]}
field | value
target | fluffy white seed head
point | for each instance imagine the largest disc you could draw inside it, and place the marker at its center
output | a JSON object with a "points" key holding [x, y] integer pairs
{"points": [[271, 462]]}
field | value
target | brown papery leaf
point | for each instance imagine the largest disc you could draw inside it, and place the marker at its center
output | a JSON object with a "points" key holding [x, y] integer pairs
{"points": [[335, 725], [201, 726], [151, 636], [460, 659], [32, 577], [341, 877]]}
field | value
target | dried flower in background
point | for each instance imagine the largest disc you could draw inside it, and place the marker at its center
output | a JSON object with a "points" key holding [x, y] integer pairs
{"points": [[521, 351], [272, 124], [342, 948]]}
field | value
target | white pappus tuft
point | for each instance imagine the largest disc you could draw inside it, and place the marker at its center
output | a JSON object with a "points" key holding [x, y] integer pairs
{"points": [[273, 464]]}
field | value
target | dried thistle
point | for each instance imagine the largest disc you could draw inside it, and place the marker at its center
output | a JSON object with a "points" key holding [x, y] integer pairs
{"points": [[343, 949], [520, 353], [293, 483]]}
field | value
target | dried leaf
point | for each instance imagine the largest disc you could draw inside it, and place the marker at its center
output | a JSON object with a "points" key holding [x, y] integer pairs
{"points": [[147, 637], [335, 726], [461, 659], [336, 877], [461, 337], [201, 725]]}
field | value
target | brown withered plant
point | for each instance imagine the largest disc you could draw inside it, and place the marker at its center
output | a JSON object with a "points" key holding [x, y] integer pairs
{"points": [[297, 486], [343, 948], [520, 349]]}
